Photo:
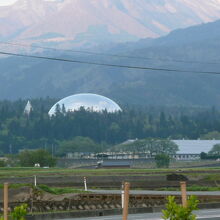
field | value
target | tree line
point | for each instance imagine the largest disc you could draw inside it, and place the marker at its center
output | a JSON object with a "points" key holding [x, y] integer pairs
{"points": [[39, 130]]}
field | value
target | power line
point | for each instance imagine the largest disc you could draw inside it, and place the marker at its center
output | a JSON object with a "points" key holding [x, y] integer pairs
{"points": [[110, 55], [106, 64]]}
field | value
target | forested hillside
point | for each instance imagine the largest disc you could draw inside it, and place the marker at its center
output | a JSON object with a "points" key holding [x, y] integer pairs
{"points": [[38, 130]]}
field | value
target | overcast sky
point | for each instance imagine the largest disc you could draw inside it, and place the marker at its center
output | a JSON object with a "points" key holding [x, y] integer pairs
{"points": [[7, 2]]}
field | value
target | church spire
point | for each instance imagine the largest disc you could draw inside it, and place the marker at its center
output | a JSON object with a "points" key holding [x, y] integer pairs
{"points": [[28, 108]]}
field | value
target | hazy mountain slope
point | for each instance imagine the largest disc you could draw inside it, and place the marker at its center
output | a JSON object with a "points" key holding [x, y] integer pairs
{"points": [[21, 77], [83, 22]]}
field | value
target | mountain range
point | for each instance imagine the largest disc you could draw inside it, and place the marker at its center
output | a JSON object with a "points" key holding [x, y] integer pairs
{"points": [[190, 49], [162, 34], [87, 23]]}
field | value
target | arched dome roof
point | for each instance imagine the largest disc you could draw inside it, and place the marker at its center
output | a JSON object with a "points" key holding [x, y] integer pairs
{"points": [[89, 101]]}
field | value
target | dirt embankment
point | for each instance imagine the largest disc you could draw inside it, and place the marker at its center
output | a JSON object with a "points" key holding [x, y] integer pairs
{"points": [[41, 202]]}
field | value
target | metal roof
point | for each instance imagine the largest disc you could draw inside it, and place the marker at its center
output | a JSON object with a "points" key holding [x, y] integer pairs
{"points": [[115, 163], [195, 146]]}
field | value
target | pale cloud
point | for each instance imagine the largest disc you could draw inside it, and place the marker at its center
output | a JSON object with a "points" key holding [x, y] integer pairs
{"points": [[10, 2], [7, 2]]}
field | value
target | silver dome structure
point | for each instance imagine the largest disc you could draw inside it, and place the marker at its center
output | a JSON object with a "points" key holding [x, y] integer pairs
{"points": [[89, 101]]}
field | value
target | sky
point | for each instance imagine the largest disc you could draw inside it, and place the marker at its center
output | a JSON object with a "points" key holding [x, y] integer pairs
{"points": [[7, 2]]}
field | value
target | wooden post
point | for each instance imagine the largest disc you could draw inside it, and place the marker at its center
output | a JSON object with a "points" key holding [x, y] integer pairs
{"points": [[5, 201], [126, 200], [183, 193]]}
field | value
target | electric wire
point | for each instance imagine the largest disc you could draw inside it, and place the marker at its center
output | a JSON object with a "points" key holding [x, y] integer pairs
{"points": [[106, 64], [110, 55]]}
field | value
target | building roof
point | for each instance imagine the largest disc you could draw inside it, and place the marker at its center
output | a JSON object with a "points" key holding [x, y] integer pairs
{"points": [[195, 146], [115, 163]]}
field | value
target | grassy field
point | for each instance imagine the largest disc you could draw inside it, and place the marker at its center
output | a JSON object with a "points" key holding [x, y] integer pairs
{"points": [[192, 188], [61, 190], [210, 173], [45, 188], [197, 174]]}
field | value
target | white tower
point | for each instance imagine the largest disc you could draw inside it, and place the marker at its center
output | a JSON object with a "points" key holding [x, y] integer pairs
{"points": [[28, 108]]}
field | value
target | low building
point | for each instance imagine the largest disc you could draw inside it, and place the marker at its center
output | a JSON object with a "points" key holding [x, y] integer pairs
{"points": [[191, 149], [109, 164], [80, 155], [186, 156], [188, 150], [195, 146]]}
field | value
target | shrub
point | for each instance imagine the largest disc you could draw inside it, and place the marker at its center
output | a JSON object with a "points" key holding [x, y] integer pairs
{"points": [[19, 212], [29, 158], [2, 163], [162, 160], [178, 212]]}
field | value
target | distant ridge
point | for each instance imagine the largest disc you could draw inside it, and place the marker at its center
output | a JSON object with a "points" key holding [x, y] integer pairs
{"points": [[83, 23], [26, 78]]}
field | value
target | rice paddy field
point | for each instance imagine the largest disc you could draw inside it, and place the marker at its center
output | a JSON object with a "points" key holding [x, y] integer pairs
{"points": [[213, 173], [200, 179]]}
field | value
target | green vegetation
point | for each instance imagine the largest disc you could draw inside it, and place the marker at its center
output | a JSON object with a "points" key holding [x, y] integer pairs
{"points": [[79, 144], [192, 188], [215, 150], [211, 135], [15, 185], [19, 212], [213, 154], [178, 212], [29, 158], [150, 145], [58, 190], [162, 160], [2, 163], [28, 172], [94, 131], [204, 173]]}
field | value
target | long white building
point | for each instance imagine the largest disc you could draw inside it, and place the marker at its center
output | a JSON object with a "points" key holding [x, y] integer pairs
{"points": [[195, 146]]}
